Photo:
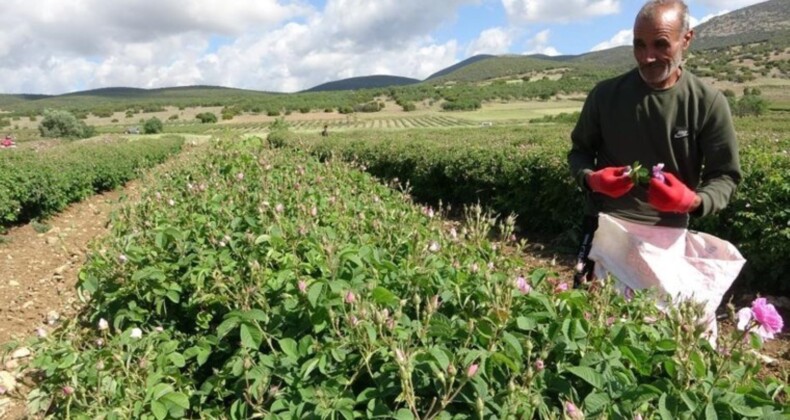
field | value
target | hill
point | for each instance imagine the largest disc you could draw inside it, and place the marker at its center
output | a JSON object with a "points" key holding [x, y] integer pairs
{"points": [[767, 21], [459, 65], [494, 67], [364, 82]]}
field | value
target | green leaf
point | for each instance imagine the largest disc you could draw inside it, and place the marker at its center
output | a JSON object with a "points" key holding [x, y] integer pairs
{"points": [[440, 356], [174, 296], [309, 367], [314, 292], [160, 390], [251, 336], [596, 402], [177, 359], [441, 327], [202, 356], [590, 375], [526, 324], [177, 399], [146, 273], [666, 345], [404, 414], [710, 412], [384, 297], [502, 358], [663, 410], [159, 410], [689, 401], [227, 326], [513, 342], [255, 315], [289, 347], [699, 365]]}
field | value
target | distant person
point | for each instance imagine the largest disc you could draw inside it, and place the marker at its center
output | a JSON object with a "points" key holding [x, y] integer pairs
{"points": [[657, 113], [325, 132], [8, 141]]}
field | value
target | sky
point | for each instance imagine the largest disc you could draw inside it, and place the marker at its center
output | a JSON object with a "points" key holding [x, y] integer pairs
{"points": [[61, 46]]}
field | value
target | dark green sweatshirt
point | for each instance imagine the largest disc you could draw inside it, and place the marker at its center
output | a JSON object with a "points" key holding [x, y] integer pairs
{"points": [[688, 127]]}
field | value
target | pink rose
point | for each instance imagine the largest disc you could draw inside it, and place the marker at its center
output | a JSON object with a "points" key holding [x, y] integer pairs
{"points": [[766, 314]]}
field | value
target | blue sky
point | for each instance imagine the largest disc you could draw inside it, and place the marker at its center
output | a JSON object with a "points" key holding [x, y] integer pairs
{"points": [[60, 46]]}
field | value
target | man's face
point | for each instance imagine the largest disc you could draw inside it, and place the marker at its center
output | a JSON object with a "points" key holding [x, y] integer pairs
{"points": [[658, 47]]}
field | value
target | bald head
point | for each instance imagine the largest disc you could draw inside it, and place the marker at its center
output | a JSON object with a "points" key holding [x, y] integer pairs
{"points": [[666, 9], [661, 34]]}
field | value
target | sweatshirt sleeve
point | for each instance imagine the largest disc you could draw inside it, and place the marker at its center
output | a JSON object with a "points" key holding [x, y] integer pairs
{"points": [[585, 140], [721, 172]]}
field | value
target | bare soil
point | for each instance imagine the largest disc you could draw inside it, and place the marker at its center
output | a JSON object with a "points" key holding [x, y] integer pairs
{"points": [[38, 274]]}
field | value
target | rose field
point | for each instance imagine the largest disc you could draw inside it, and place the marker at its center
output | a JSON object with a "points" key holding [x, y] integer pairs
{"points": [[379, 273]]}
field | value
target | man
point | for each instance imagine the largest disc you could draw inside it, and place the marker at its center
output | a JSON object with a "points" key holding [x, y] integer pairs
{"points": [[656, 113]]}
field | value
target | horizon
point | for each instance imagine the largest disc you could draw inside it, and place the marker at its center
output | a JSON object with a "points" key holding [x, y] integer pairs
{"points": [[290, 46]]}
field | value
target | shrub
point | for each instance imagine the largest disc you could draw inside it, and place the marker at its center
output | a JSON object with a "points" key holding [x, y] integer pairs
{"points": [[206, 117], [59, 123], [153, 126], [751, 103], [279, 124], [461, 105], [153, 108], [372, 106]]}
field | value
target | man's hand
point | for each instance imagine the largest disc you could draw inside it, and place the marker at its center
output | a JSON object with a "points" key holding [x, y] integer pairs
{"points": [[611, 181], [671, 195]]}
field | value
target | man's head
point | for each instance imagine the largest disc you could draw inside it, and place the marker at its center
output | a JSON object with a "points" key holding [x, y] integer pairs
{"points": [[661, 34]]}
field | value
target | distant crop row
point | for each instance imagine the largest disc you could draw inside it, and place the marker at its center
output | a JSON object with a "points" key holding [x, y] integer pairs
{"points": [[317, 125], [37, 184]]}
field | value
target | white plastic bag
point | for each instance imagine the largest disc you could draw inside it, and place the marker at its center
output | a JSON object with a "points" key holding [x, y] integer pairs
{"points": [[676, 261]]}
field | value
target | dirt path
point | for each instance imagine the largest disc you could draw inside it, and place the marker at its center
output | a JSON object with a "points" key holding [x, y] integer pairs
{"points": [[38, 274]]}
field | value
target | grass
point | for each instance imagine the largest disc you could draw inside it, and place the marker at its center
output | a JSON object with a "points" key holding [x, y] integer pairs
{"points": [[520, 111], [40, 227]]}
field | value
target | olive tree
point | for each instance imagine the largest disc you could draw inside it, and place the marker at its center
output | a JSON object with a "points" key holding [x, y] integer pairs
{"points": [[61, 123]]}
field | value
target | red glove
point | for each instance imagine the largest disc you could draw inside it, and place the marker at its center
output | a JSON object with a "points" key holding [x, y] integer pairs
{"points": [[611, 181], [670, 195]]}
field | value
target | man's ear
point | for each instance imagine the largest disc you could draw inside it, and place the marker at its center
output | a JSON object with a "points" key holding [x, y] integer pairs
{"points": [[687, 38]]}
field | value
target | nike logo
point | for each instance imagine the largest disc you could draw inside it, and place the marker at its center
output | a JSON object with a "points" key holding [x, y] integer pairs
{"points": [[681, 134]]}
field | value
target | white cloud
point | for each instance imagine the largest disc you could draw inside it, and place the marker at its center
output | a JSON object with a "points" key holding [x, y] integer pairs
{"points": [[624, 37], [539, 44], [558, 10], [60, 46], [491, 41], [385, 22]]}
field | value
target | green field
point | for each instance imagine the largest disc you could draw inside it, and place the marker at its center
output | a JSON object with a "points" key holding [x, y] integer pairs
{"points": [[275, 273]]}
